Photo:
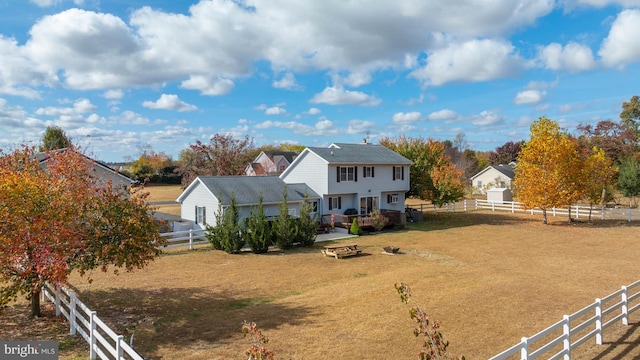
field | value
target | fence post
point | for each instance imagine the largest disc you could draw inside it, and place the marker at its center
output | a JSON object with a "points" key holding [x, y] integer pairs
{"points": [[190, 239], [477, 206], [524, 350], [566, 334], [493, 205], [72, 313], [603, 210], [454, 207], [629, 214], [119, 351], [553, 210], [598, 322], [465, 205], [577, 212], [57, 301], [92, 336], [513, 207], [625, 306]]}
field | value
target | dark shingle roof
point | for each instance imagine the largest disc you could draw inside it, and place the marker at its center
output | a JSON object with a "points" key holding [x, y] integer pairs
{"points": [[247, 189], [507, 170], [339, 153]]}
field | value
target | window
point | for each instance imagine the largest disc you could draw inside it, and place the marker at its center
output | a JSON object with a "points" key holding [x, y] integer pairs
{"points": [[479, 185], [335, 203], [398, 173], [368, 204], [347, 173], [503, 184], [201, 217], [367, 171], [282, 168], [393, 198], [314, 206], [292, 212]]}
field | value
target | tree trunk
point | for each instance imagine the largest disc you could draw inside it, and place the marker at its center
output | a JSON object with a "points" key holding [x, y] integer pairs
{"points": [[544, 216], [35, 304]]}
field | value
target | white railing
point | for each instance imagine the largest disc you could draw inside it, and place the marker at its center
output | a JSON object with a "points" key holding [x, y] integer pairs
{"points": [[103, 342], [185, 238], [575, 329], [577, 212]]}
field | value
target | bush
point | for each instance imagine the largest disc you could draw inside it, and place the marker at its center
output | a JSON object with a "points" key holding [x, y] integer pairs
{"points": [[377, 220], [226, 234], [355, 227], [307, 225], [257, 232]]}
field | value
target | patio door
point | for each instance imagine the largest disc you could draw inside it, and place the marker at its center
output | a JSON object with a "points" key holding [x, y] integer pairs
{"points": [[368, 204]]}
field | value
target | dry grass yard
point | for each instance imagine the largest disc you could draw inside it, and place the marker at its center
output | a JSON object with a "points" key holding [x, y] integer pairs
{"points": [[490, 278]]}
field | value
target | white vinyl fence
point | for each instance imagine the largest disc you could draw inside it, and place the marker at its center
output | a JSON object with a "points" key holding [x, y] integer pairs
{"points": [[577, 212], [558, 340], [103, 342], [185, 238]]}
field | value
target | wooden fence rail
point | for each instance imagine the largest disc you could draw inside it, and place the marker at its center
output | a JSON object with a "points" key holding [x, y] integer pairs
{"points": [[574, 330], [103, 342], [184, 238]]}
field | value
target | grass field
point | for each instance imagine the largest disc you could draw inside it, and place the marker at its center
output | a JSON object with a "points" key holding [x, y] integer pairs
{"points": [[491, 278]]}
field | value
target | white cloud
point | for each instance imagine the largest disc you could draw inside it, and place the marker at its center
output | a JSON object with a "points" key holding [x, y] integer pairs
{"points": [[114, 94], [468, 61], [275, 110], [80, 106], [288, 82], [444, 114], [621, 46], [208, 85], [529, 97], [406, 118], [169, 102], [486, 118], [334, 95], [313, 111], [322, 127], [573, 57], [360, 126]]}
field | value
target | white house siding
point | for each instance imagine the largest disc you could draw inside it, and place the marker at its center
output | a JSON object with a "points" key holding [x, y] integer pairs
{"points": [[491, 178], [201, 197], [312, 171]]}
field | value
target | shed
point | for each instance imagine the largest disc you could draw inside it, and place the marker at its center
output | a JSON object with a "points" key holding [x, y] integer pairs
{"points": [[499, 195]]}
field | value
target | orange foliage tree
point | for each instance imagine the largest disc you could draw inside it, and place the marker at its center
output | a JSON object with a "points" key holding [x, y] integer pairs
{"points": [[550, 169], [600, 177], [55, 216], [432, 175]]}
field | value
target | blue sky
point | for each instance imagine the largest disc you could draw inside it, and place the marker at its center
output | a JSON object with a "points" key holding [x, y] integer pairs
{"points": [[121, 75]]}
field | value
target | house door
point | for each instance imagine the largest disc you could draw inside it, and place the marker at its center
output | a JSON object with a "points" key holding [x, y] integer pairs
{"points": [[368, 204]]}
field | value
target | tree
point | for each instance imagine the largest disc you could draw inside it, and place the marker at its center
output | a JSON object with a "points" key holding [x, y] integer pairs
{"points": [[506, 153], [461, 156], [307, 224], [224, 155], [257, 230], [227, 233], [284, 229], [599, 176], [54, 138], [430, 164], [629, 178], [616, 139], [630, 114], [447, 184], [152, 166], [60, 218], [549, 170]]}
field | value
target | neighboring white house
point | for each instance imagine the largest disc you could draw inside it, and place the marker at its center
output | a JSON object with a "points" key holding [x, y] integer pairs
{"points": [[361, 177], [493, 176], [201, 199], [270, 163]]}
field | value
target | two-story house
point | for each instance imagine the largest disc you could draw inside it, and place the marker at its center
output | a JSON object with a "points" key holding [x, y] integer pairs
{"points": [[270, 163], [352, 178]]}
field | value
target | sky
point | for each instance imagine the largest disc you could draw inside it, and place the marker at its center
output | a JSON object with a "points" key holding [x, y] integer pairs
{"points": [[123, 75]]}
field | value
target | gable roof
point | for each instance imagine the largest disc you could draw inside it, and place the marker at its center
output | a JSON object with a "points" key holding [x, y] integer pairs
{"points": [[276, 155], [340, 153], [247, 189], [506, 170], [44, 157]]}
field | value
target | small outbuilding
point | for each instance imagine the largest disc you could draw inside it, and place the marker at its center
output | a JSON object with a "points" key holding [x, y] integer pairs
{"points": [[499, 195]]}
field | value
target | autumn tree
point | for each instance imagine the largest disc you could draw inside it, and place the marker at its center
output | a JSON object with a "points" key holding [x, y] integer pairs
{"points": [[461, 156], [549, 170], [153, 166], [55, 138], [599, 178], [432, 175], [629, 178], [224, 155], [630, 114], [506, 153], [616, 139], [58, 218]]}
